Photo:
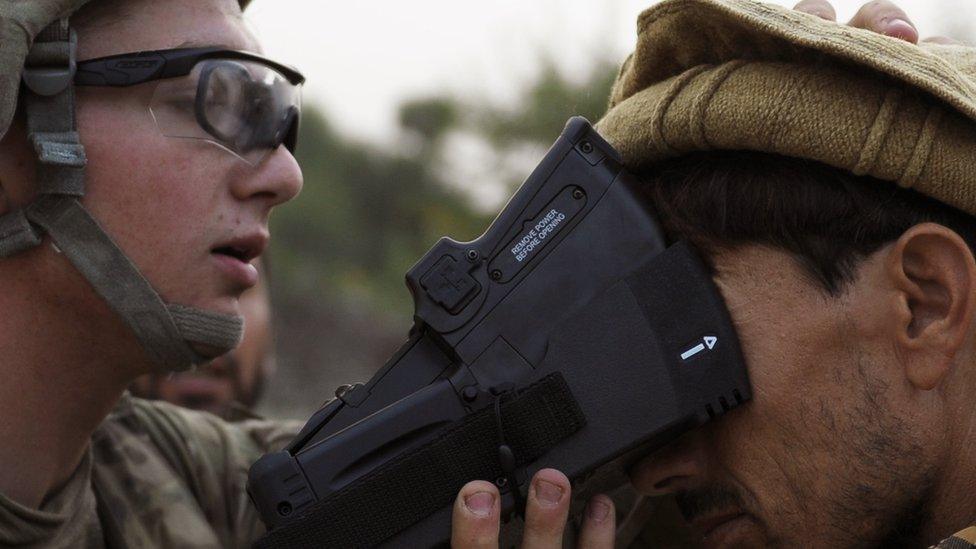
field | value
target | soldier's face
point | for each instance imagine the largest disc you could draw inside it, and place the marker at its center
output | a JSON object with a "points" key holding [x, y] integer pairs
{"points": [[170, 203], [835, 450]]}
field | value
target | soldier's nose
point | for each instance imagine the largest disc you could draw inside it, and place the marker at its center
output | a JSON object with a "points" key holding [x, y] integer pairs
{"points": [[677, 467]]}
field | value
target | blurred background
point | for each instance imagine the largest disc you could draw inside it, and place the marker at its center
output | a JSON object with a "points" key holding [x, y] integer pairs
{"points": [[420, 119]]}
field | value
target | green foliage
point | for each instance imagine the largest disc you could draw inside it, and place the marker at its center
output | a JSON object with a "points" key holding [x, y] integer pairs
{"points": [[430, 117], [366, 214], [546, 106]]}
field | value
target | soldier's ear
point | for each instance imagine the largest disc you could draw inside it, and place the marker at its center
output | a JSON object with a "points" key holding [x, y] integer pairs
{"points": [[933, 274]]}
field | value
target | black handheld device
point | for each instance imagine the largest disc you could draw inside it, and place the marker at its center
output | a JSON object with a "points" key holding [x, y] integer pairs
{"points": [[569, 335]]}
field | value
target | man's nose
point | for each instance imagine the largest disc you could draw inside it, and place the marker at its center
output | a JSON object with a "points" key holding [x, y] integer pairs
{"points": [[678, 467], [277, 179]]}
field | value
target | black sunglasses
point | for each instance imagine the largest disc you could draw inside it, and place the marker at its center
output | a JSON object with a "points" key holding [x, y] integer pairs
{"points": [[129, 69], [271, 128]]}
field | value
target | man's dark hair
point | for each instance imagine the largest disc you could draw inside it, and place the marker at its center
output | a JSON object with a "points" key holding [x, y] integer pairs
{"points": [[828, 219]]}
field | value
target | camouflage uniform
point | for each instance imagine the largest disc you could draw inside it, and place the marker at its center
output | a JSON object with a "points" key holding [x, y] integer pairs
{"points": [[155, 475], [960, 540]]}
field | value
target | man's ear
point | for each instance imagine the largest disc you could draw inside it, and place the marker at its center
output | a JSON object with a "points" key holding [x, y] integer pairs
{"points": [[934, 272]]}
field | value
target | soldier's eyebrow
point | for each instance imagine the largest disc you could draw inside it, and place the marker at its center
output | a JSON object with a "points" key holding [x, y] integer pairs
{"points": [[253, 48], [200, 44]]}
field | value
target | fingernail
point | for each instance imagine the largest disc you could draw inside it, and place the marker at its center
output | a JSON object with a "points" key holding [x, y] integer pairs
{"points": [[548, 493], [899, 28], [597, 510], [480, 503]]}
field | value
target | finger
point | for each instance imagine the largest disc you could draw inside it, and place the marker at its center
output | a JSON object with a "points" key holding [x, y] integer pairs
{"points": [[546, 510], [944, 40], [884, 17], [474, 523], [599, 524], [821, 8]]}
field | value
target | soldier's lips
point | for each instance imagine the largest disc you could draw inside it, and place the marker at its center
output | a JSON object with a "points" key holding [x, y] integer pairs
{"points": [[241, 272], [234, 256]]}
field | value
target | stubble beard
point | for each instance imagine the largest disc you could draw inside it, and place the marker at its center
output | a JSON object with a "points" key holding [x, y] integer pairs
{"points": [[886, 483], [886, 499]]}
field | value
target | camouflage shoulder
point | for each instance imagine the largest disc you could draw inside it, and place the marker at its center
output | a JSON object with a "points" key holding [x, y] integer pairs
{"points": [[965, 539], [181, 428], [207, 460]]}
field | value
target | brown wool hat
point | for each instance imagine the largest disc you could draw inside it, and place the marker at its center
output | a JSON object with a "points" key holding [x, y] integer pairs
{"points": [[741, 75]]}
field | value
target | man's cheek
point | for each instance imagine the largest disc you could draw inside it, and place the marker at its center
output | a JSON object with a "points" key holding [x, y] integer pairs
{"points": [[762, 450]]}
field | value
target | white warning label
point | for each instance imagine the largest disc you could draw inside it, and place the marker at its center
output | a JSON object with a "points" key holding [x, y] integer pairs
{"points": [[537, 235]]}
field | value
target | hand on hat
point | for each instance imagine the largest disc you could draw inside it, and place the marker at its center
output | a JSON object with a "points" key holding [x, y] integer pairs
{"points": [[475, 522], [881, 16]]}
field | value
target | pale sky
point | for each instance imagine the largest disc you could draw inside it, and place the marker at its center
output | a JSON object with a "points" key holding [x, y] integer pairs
{"points": [[363, 57]]}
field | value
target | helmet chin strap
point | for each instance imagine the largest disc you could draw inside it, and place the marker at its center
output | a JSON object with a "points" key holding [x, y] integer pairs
{"points": [[166, 331]]}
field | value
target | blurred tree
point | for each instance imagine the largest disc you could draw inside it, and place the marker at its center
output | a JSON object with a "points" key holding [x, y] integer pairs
{"points": [[340, 253], [546, 105], [431, 117], [366, 214], [518, 136]]}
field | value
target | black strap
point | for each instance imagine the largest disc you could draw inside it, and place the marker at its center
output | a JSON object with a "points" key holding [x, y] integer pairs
{"points": [[419, 483]]}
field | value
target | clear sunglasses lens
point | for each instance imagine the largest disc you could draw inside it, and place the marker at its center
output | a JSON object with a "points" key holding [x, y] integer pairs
{"points": [[243, 106], [224, 104]]}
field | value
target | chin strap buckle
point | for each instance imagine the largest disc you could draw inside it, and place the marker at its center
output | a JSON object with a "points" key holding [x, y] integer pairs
{"points": [[52, 61]]}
